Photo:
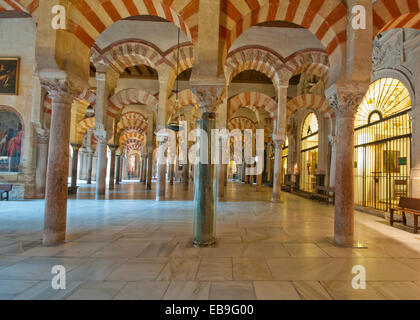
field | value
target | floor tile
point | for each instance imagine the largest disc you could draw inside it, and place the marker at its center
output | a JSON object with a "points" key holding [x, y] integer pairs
{"points": [[275, 290], [215, 269], [232, 290], [143, 290]]}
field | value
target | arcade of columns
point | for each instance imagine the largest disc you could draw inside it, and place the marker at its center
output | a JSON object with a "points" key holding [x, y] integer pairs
{"points": [[211, 28]]}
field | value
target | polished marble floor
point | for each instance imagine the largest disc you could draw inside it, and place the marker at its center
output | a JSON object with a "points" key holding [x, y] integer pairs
{"points": [[129, 246]]}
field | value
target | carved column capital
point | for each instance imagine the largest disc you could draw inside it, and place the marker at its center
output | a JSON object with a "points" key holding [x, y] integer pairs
{"points": [[278, 139], [113, 147], [101, 135], [209, 96], [42, 135], [75, 146], [60, 90], [346, 98]]}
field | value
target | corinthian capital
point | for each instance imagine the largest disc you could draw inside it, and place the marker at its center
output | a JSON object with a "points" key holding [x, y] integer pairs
{"points": [[42, 135], [101, 135], [60, 89], [209, 96], [346, 98]]}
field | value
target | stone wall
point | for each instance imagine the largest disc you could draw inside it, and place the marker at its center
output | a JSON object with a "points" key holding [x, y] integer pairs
{"points": [[18, 40]]}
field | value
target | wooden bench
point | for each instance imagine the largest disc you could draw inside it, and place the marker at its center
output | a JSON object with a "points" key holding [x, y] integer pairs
{"points": [[5, 189], [410, 205], [287, 187], [324, 194]]}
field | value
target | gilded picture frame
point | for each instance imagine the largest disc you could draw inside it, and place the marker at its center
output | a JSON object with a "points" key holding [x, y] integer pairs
{"points": [[9, 76]]}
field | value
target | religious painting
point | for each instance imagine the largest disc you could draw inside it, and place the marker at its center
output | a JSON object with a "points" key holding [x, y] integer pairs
{"points": [[9, 76], [391, 162], [11, 135]]}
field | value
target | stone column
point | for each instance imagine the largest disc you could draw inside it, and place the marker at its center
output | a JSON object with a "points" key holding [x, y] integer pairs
{"points": [[333, 142], [94, 165], [101, 165], [41, 162], [143, 168], [259, 182], [113, 149], [61, 93], [278, 143], [204, 172], [149, 170], [171, 173], [345, 105], [279, 136], [117, 168], [186, 175], [82, 165], [221, 172], [74, 166], [89, 166], [161, 169]]}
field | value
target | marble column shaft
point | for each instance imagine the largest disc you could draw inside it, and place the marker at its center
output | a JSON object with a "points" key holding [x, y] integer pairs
{"points": [[149, 171], [58, 168], [344, 181], [204, 195], [117, 169], [89, 166], [41, 163], [101, 148], [112, 167], [74, 164], [277, 171]]}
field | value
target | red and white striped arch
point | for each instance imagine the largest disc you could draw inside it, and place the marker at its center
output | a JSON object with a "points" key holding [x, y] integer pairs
{"points": [[326, 19], [84, 125], [312, 101], [88, 95], [27, 6], [390, 14], [257, 58], [90, 18], [312, 61], [252, 100], [133, 120], [241, 123], [274, 66], [185, 98], [131, 136], [130, 96], [128, 53]]}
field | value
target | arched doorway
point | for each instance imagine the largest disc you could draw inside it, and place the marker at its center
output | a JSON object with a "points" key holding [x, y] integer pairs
{"points": [[383, 145], [309, 153], [11, 137]]}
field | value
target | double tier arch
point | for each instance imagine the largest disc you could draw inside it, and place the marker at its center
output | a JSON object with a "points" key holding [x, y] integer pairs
{"points": [[327, 20], [253, 101], [130, 96], [390, 14]]}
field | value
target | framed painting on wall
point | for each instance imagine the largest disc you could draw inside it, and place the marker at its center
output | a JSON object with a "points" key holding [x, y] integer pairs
{"points": [[9, 76], [391, 163]]}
